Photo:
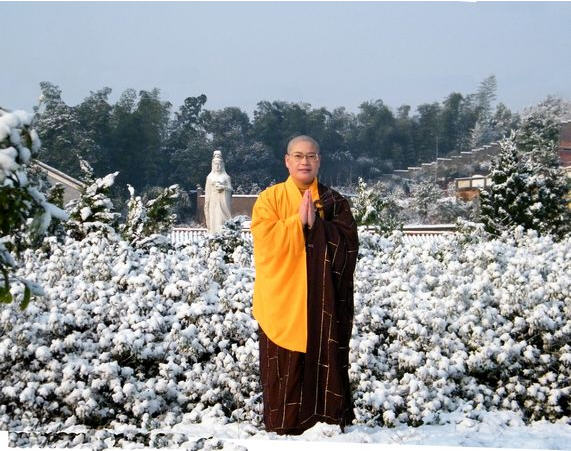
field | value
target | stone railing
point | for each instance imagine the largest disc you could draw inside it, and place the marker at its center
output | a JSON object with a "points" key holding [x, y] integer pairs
{"points": [[414, 233], [185, 235]]}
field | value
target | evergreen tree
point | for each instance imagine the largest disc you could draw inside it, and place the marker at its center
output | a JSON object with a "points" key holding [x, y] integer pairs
{"points": [[538, 141], [427, 131], [93, 210], [503, 122], [375, 206], [528, 187], [139, 126], [486, 95], [375, 129], [483, 131], [64, 141], [425, 195], [94, 117], [55, 196], [188, 150], [148, 222], [505, 204], [450, 123], [539, 129]]}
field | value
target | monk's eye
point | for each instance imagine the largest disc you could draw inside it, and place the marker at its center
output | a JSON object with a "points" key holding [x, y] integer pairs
{"points": [[300, 156]]}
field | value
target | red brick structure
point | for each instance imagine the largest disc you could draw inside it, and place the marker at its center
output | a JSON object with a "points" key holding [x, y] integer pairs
{"points": [[565, 144]]}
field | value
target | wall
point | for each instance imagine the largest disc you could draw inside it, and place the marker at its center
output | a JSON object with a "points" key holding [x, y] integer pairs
{"points": [[242, 204]]}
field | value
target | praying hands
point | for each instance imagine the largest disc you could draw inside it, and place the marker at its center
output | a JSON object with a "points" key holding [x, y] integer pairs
{"points": [[307, 210]]}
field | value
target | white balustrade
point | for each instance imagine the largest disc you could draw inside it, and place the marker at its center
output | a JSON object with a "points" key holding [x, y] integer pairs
{"points": [[412, 234]]}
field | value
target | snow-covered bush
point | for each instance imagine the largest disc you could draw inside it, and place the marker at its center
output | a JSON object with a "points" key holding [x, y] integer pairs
{"points": [[93, 210], [147, 223], [375, 206], [231, 242], [151, 338], [450, 209], [455, 321], [123, 336], [55, 195], [24, 210]]}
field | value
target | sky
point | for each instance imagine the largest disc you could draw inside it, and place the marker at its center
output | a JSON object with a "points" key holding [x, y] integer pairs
{"points": [[328, 54]]}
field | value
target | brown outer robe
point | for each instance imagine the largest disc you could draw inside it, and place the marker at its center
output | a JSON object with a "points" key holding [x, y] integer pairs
{"points": [[301, 389]]}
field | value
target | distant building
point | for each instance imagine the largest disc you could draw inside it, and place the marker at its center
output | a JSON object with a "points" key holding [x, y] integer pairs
{"points": [[468, 188], [71, 187]]}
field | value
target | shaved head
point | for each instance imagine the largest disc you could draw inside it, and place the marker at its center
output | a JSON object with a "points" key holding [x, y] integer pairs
{"points": [[292, 142]]}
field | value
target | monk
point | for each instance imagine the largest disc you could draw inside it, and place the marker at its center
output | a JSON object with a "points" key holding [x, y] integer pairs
{"points": [[305, 251]]}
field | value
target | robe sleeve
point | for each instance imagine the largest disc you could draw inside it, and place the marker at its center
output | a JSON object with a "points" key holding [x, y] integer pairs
{"points": [[275, 237], [338, 230], [280, 287]]}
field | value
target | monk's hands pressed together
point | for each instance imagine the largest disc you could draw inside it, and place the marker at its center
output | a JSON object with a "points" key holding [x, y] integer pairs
{"points": [[310, 210], [307, 210], [303, 210]]}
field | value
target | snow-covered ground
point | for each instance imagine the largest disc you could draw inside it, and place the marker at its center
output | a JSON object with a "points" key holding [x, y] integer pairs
{"points": [[493, 430]]}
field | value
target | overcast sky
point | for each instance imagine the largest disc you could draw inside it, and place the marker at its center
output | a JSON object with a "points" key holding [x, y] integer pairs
{"points": [[326, 54]]}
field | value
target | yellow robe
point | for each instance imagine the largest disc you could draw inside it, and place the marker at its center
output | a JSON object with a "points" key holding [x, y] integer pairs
{"points": [[280, 287]]}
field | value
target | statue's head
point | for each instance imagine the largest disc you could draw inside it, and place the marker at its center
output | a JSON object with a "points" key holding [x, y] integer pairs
{"points": [[217, 162]]}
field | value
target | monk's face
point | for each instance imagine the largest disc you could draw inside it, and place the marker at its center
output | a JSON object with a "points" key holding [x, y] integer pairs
{"points": [[300, 164]]}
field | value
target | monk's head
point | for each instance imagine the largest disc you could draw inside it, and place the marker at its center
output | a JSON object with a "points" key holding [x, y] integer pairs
{"points": [[302, 159]]}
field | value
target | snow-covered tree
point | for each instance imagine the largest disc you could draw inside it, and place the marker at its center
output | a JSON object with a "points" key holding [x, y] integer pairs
{"points": [[55, 196], [449, 209], [503, 122], [375, 206], [149, 222], [23, 208], [540, 126], [64, 140], [504, 204], [425, 195], [93, 210], [483, 131], [528, 186]]}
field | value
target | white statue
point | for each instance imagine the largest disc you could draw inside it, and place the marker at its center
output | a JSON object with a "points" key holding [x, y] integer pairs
{"points": [[218, 195]]}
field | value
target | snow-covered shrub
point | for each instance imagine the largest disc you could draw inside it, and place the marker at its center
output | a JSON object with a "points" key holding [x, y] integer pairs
{"points": [[151, 338], [147, 223], [423, 202], [55, 196], [127, 336], [450, 209], [375, 206], [230, 241], [93, 210], [447, 322], [24, 210]]}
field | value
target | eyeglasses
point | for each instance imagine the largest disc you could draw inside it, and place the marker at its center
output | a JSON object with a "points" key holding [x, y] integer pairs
{"points": [[299, 157]]}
